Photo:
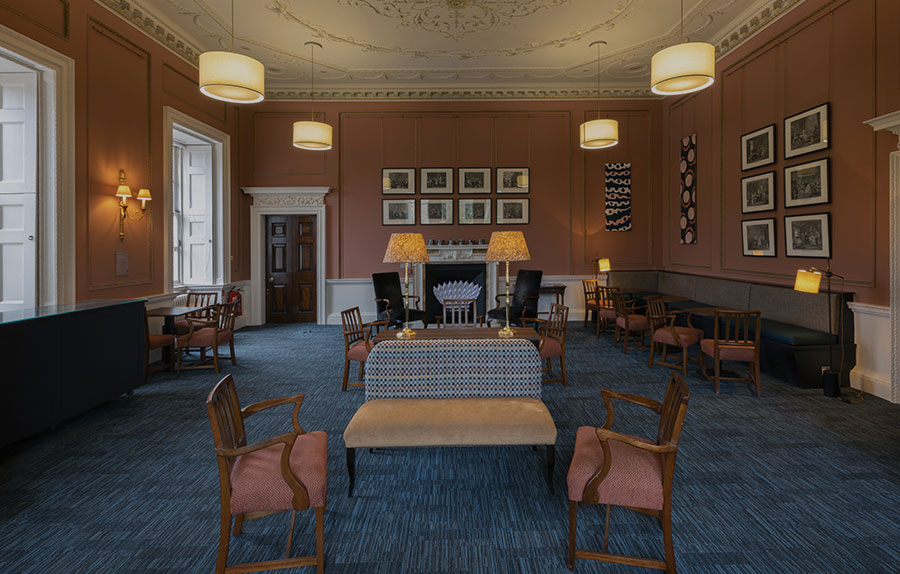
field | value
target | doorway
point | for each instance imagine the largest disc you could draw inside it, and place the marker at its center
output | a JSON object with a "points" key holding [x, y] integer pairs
{"points": [[291, 263]]}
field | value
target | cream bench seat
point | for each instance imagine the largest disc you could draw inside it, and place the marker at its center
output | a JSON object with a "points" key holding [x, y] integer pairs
{"points": [[452, 392]]}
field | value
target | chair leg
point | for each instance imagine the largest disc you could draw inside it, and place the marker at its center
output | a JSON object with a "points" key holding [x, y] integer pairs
{"points": [[616, 336], [180, 351], [231, 346], [718, 370], [652, 352], [665, 351], [360, 375], [287, 549], [606, 532], [666, 519], [625, 344], [684, 360], [320, 539], [224, 533], [549, 369], [216, 357], [346, 374], [573, 517], [756, 377], [238, 525]]}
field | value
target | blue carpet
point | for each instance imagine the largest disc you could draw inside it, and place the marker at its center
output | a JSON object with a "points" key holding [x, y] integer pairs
{"points": [[790, 482]]}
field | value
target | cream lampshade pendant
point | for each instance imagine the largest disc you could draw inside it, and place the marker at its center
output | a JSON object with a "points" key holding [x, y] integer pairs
{"points": [[683, 68], [598, 134], [312, 135], [232, 77]]}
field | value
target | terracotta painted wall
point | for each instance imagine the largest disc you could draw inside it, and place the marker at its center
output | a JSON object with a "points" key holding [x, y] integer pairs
{"points": [[820, 52], [566, 199], [123, 80]]}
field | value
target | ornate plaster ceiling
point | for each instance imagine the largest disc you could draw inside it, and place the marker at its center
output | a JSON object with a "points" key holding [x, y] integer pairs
{"points": [[467, 49]]}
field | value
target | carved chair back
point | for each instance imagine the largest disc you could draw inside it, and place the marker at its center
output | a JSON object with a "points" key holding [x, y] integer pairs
{"points": [[224, 316], [353, 326], [604, 296], [206, 299], [737, 329], [590, 289], [227, 423], [459, 313]]}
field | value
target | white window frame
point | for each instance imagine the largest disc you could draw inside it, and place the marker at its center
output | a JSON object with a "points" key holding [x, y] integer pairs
{"points": [[221, 184]]}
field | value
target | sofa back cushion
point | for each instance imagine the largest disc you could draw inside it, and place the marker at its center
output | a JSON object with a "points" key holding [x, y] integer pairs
{"points": [[639, 280], [789, 306], [453, 368], [677, 284], [722, 293]]}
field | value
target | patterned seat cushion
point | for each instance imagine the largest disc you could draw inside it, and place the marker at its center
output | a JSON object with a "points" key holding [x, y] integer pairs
{"points": [[257, 483], [635, 322], [358, 351], [635, 476], [687, 335], [728, 353]]}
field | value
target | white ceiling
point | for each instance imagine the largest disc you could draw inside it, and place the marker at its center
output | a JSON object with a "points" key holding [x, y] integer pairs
{"points": [[449, 48]]}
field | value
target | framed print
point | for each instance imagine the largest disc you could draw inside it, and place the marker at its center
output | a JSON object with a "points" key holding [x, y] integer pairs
{"points": [[474, 180], [806, 184], [758, 148], [758, 237], [512, 180], [398, 181], [758, 192], [436, 211], [398, 211], [474, 211], [807, 235], [436, 180], [512, 211], [806, 132]]}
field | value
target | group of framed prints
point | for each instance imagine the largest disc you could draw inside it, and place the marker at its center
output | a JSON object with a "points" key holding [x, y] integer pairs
{"points": [[439, 211], [804, 184], [510, 211], [440, 180]]}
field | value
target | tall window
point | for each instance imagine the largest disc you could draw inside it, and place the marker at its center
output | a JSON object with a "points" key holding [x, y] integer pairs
{"points": [[193, 229]]}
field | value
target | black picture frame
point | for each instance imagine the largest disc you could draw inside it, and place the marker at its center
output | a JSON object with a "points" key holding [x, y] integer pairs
{"points": [[751, 199], [506, 211], [750, 238], [807, 137], [463, 219], [484, 172], [515, 185], [391, 176], [798, 192], [792, 233], [430, 176], [425, 213], [758, 148], [388, 219]]}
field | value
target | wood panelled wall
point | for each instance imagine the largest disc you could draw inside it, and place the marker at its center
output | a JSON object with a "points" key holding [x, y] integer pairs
{"points": [[566, 229], [123, 80], [820, 52]]}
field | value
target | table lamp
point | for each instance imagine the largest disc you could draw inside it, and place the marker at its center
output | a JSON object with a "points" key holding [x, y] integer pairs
{"points": [[507, 246], [808, 281], [406, 248]]}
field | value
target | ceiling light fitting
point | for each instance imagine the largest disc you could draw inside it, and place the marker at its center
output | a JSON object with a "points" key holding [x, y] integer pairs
{"points": [[600, 133], [312, 135], [232, 77], [683, 68]]}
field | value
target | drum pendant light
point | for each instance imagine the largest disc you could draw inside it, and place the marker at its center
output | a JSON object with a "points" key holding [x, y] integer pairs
{"points": [[598, 134], [683, 68], [312, 135], [232, 77]]}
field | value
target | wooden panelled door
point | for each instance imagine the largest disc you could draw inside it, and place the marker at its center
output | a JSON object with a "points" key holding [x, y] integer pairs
{"points": [[290, 268]]}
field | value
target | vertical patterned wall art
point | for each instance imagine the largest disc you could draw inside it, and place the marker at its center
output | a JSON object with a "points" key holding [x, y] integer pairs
{"points": [[618, 197], [689, 189]]}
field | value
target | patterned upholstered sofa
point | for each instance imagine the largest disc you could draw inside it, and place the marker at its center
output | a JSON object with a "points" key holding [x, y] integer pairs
{"points": [[451, 392], [795, 332]]}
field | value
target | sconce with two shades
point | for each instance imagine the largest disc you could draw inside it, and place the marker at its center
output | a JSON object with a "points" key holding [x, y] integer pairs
{"points": [[123, 191]]}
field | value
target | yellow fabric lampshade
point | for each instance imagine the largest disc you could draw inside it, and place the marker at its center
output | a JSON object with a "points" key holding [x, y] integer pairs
{"points": [[807, 281], [597, 134], [314, 136], [232, 77], [406, 248], [144, 195], [683, 68], [507, 246], [603, 265], [123, 191]]}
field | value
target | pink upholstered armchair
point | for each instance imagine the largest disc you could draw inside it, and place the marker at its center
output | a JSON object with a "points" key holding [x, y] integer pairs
{"points": [[667, 334], [357, 342], [553, 342]]}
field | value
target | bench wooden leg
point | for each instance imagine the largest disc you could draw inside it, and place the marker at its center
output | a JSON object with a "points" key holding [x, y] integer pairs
{"points": [[551, 462], [351, 469]]}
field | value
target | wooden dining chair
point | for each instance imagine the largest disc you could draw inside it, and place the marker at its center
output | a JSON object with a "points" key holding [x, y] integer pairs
{"points": [[357, 342], [616, 469], [735, 338], [287, 472], [153, 342], [627, 321], [460, 313], [590, 299], [606, 307], [200, 319], [665, 333], [205, 338], [553, 341]]}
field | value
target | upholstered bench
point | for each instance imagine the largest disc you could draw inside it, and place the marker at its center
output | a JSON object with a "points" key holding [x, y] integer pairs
{"points": [[452, 392]]}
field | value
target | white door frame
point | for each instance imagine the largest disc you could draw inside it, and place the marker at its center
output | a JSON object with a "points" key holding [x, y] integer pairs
{"points": [[55, 203], [283, 201], [221, 176]]}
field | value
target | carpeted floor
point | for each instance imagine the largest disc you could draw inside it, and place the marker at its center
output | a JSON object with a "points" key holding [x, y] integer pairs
{"points": [[790, 482]]}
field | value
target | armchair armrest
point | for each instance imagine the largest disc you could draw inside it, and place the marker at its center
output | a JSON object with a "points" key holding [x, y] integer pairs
{"points": [[417, 298], [383, 324], [608, 396], [297, 400], [606, 434]]}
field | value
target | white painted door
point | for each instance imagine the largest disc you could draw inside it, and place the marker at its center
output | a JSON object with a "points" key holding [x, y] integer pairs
{"points": [[197, 215], [18, 176]]}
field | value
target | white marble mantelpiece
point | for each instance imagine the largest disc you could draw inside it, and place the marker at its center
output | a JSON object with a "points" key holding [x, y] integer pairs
{"points": [[287, 196], [459, 254]]}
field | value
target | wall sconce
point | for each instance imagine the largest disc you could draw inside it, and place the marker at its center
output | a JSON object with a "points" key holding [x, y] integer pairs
{"points": [[124, 192]]}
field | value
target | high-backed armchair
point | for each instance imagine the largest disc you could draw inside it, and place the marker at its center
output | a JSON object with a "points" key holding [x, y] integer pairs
{"points": [[389, 301], [221, 332], [523, 303], [665, 333], [200, 319]]}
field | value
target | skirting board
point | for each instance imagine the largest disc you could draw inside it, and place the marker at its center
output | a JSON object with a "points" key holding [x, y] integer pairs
{"points": [[871, 383]]}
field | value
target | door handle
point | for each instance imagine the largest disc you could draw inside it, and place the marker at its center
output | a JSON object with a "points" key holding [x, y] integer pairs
{"points": [[271, 279]]}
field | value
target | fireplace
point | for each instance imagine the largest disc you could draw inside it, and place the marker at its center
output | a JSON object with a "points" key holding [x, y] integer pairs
{"points": [[439, 273]]}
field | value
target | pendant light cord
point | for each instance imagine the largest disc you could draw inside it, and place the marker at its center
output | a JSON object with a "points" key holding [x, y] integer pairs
{"points": [[232, 25], [312, 82], [598, 80], [682, 21]]}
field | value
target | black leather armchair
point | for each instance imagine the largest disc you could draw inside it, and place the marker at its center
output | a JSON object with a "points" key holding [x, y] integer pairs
{"points": [[523, 301], [389, 301]]}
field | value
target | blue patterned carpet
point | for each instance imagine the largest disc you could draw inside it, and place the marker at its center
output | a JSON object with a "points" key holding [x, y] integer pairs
{"points": [[790, 482]]}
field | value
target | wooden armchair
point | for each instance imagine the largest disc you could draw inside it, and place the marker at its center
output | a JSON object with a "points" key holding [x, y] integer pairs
{"points": [[357, 342], [590, 298], [200, 319], [627, 321], [665, 333], [616, 469], [221, 332], [606, 307], [553, 341], [735, 338], [285, 472]]}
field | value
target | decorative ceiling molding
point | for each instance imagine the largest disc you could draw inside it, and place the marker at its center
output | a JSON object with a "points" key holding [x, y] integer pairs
{"points": [[153, 26], [451, 93], [750, 24]]}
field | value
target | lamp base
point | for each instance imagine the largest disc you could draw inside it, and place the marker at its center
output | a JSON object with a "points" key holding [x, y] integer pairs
{"points": [[406, 333], [831, 383], [506, 333]]}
